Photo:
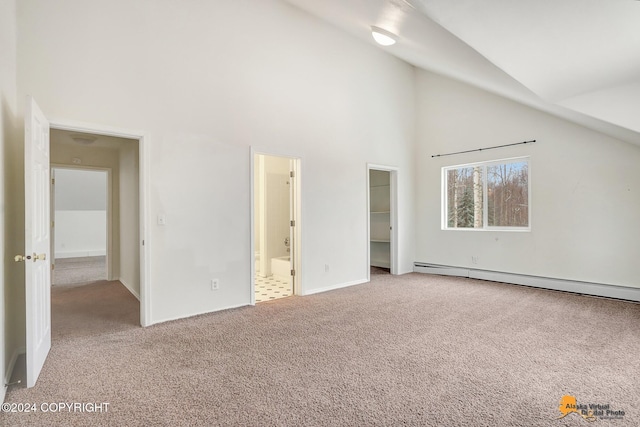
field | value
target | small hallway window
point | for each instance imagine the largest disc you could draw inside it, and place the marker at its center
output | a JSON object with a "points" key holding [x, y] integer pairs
{"points": [[485, 196]]}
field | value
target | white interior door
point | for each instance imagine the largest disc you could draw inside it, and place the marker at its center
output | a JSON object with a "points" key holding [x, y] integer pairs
{"points": [[37, 240]]}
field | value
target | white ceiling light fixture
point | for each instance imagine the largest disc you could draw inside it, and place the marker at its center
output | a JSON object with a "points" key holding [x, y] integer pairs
{"points": [[84, 139], [383, 37]]}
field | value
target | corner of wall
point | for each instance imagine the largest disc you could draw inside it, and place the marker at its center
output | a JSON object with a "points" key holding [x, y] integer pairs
{"points": [[8, 138]]}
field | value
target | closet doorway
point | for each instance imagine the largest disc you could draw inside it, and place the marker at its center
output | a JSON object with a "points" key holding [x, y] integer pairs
{"points": [[382, 209]]}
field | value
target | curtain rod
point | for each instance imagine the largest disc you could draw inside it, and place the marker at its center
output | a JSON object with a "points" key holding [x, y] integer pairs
{"points": [[482, 149]]}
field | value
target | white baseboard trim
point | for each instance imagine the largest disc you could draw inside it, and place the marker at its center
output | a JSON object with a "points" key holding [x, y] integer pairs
{"points": [[7, 375], [587, 288], [334, 287], [441, 270], [129, 288], [187, 316], [313, 291], [80, 254]]}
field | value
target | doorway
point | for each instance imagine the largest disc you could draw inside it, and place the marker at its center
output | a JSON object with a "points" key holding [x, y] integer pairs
{"points": [[275, 228], [382, 219], [81, 220], [77, 158]]}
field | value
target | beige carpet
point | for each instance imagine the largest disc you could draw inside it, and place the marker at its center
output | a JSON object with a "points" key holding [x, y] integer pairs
{"points": [[379, 270], [92, 310], [74, 271], [414, 350]]}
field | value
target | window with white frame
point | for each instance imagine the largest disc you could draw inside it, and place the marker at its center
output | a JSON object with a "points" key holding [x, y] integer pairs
{"points": [[489, 195]]}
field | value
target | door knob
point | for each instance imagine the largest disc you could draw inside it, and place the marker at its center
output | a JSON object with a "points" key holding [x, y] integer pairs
{"points": [[35, 257]]}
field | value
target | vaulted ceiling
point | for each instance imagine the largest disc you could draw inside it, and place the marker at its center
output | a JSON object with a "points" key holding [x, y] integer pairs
{"points": [[576, 59]]}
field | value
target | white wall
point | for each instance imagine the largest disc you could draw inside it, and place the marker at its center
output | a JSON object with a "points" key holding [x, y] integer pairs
{"points": [[80, 189], [277, 211], [205, 81], [11, 328], [129, 217], [585, 189], [80, 213], [80, 233]]}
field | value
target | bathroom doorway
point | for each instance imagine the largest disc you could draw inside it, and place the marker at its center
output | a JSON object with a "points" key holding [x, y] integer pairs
{"points": [[274, 227]]}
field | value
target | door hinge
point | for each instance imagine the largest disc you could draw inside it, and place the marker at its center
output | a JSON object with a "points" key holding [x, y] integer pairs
{"points": [[293, 223], [53, 266], [53, 181], [293, 272], [143, 243], [292, 174], [53, 224]]}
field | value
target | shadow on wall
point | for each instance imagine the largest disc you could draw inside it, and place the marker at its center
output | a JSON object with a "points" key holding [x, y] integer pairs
{"points": [[13, 241]]}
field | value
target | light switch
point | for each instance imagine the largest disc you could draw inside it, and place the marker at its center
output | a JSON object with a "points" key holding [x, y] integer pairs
{"points": [[162, 219]]}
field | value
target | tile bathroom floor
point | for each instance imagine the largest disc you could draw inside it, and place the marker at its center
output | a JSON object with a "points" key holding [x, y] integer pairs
{"points": [[268, 289]]}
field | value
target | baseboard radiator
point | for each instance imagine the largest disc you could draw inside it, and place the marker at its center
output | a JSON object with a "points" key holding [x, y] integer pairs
{"points": [[585, 288]]}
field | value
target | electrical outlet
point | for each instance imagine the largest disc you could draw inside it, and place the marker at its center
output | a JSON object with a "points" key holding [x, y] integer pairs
{"points": [[474, 259], [326, 268], [215, 284]]}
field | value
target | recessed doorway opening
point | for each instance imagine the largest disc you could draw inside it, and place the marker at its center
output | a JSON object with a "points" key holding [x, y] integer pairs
{"points": [[382, 219], [81, 222]]}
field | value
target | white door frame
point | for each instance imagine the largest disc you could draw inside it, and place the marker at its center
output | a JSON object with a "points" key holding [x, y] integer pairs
{"points": [[143, 179], [393, 216], [109, 230], [296, 250]]}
